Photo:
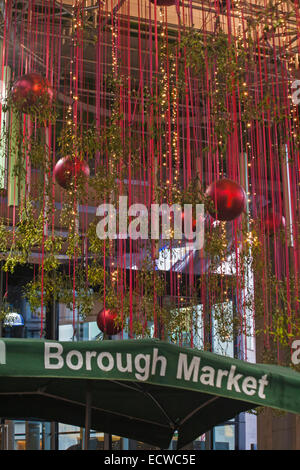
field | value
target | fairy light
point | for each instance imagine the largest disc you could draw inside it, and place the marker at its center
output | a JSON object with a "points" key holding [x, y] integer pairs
{"points": [[175, 134], [164, 84], [169, 96]]}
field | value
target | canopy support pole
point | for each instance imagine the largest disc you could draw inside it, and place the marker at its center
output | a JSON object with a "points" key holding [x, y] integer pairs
{"points": [[107, 444], [87, 419]]}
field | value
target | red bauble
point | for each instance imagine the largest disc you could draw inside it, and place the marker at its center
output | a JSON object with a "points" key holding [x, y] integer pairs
{"points": [[229, 199], [27, 90], [66, 168], [106, 322], [164, 3], [272, 222]]}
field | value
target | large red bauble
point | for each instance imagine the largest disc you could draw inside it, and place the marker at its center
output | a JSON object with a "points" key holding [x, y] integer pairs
{"points": [[164, 3], [106, 322], [273, 221], [229, 199], [27, 90], [66, 168]]}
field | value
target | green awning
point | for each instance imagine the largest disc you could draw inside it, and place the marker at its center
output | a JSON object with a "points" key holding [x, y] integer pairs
{"points": [[140, 389]]}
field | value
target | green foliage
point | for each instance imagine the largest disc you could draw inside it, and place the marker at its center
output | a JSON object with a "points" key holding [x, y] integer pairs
{"points": [[96, 245], [79, 143], [103, 185], [27, 234], [5, 308], [43, 110], [282, 300], [4, 236], [59, 287]]}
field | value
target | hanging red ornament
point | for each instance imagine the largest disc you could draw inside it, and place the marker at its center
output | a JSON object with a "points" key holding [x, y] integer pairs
{"points": [[28, 89], [66, 168], [229, 199], [106, 322], [272, 222], [164, 3]]}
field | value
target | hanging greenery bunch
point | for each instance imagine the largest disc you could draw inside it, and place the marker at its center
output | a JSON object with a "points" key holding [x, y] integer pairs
{"points": [[221, 281], [283, 303], [27, 236], [57, 286], [276, 308]]}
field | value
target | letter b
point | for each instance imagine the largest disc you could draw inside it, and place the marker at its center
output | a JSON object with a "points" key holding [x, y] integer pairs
{"points": [[59, 362]]}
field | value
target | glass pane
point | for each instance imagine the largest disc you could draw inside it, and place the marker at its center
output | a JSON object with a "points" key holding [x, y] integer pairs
{"points": [[224, 437]]}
